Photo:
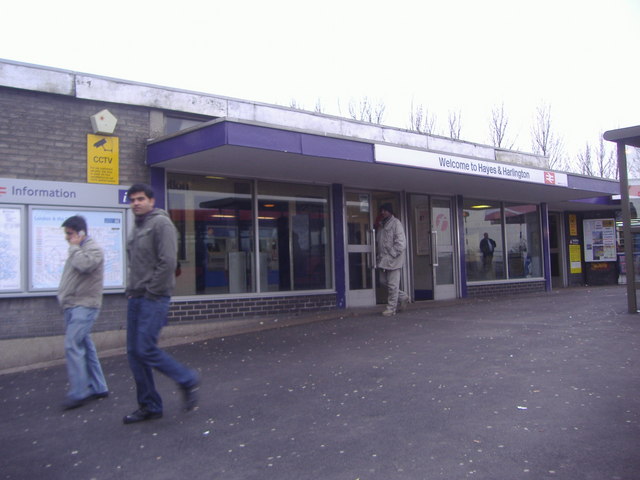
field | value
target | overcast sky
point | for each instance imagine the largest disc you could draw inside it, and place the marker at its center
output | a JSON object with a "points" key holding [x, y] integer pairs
{"points": [[578, 56]]}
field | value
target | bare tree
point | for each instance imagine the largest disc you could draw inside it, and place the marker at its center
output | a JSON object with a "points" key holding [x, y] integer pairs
{"points": [[606, 165], [633, 162], [498, 128], [366, 111], [585, 164], [319, 108], [455, 124], [293, 103], [545, 141], [421, 120]]}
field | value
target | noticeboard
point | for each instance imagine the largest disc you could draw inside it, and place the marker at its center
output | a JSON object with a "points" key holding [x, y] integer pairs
{"points": [[599, 240], [11, 255], [48, 248]]}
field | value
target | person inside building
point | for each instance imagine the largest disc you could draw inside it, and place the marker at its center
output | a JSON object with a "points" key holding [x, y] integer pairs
{"points": [[487, 247], [152, 254], [80, 296], [391, 252]]}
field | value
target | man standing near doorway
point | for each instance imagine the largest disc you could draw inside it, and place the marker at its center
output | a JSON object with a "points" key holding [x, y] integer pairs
{"points": [[152, 253], [391, 253], [80, 296]]}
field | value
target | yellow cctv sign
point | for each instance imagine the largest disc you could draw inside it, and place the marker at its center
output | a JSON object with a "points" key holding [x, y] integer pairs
{"points": [[103, 162]]}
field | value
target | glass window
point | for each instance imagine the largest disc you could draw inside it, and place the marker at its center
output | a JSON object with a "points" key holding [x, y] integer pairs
{"points": [[214, 217], [522, 227], [484, 252], [294, 232], [484, 224]]}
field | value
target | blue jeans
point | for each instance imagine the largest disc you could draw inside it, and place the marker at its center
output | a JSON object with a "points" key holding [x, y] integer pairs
{"points": [[145, 319], [85, 373]]}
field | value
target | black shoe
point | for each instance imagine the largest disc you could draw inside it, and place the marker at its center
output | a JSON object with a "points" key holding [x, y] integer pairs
{"points": [[96, 396], [71, 403], [141, 415], [190, 395]]}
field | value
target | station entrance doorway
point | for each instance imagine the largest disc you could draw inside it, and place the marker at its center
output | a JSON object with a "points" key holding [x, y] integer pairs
{"points": [[432, 248], [429, 273]]}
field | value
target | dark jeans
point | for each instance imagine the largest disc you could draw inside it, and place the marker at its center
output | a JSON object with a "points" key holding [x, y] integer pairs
{"points": [[145, 319]]}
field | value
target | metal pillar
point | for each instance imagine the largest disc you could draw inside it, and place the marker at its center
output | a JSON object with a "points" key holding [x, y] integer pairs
{"points": [[632, 302], [624, 137]]}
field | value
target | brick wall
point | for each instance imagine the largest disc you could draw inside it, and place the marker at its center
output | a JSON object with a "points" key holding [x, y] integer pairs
{"points": [[41, 316], [200, 310], [44, 136], [499, 289]]}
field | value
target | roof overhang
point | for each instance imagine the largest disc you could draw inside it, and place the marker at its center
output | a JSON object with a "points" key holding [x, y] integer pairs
{"points": [[227, 147], [629, 136]]}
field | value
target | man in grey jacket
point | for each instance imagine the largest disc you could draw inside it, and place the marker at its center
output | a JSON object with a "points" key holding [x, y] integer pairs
{"points": [[152, 253], [80, 296], [391, 252]]}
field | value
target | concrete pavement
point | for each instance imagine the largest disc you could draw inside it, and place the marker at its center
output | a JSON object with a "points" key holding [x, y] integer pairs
{"points": [[533, 387]]}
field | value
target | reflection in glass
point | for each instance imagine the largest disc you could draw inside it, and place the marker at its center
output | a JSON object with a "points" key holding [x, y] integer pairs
{"points": [[484, 222], [522, 228], [215, 219], [293, 225], [484, 252]]}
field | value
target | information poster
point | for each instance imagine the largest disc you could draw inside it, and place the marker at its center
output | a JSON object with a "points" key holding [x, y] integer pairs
{"points": [[599, 240], [10, 249], [575, 258], [49, 249]]}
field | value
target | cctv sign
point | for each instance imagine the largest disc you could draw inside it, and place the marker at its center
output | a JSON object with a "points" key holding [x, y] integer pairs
{"points": [[103, 159]]}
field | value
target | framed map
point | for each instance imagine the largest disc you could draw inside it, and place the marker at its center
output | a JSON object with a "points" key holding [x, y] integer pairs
{"points": [[48, 247], [11, 254]]}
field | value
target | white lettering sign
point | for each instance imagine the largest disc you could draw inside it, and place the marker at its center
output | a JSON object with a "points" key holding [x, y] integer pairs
{"points": [[469, 166]]}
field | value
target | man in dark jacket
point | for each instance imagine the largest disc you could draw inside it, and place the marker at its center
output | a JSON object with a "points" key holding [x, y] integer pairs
{"points": [[487, 247], [80, 296], [152, 254]]}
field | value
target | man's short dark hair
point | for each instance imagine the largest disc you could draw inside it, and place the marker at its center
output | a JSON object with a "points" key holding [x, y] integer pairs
{"points": [[140, 187], [387, 207], [76, 223]]}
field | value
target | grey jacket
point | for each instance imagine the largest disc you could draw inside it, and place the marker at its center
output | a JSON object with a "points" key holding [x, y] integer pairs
{"points": [[391, 245], [82, 278], [152, 251]]}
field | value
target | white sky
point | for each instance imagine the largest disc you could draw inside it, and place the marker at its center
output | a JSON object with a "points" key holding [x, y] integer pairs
{"points": [[578, 56]]}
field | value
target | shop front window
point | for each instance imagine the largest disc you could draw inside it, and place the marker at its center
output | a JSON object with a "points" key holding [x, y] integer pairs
{"points": [[214, 218], [216, 221], [522, 227], [487, 226], [293, 227]]}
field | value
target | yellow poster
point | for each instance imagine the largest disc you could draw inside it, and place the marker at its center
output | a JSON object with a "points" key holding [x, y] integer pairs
{"points": [[573, 225], [575, 259], [103, 160]]}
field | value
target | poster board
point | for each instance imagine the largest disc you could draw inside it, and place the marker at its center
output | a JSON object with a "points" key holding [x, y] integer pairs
{"points": [[11, 248], [48, 248], [599, 240]]}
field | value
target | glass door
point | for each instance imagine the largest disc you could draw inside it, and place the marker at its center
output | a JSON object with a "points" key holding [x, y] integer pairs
{"points": [[360, 250], [442, 245]]}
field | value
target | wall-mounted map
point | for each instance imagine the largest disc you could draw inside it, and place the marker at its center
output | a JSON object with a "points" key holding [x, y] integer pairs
{"points": [[48, 247]]}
